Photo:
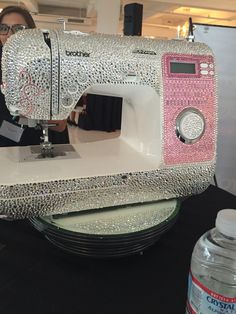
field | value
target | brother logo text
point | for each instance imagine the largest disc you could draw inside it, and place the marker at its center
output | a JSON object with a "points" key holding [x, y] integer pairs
{"points": [[77, 54]]}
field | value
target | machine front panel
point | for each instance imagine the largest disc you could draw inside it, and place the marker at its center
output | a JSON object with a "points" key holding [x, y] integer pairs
{"points": [[189, 108]]}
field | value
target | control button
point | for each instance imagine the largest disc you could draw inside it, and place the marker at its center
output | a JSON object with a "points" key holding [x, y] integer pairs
{"points": [[132, 77], [212, 72], [204, 72], [190, 125], [67, 101], [211, 65], [73, 89], [82, 77], [204, 65]]}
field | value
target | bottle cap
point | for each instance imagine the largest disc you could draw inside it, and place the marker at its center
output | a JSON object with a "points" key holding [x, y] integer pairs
{"points": [[226, 222]]}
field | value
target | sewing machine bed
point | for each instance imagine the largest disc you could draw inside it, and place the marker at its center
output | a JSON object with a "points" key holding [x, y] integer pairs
{"points": [[22, 165]]}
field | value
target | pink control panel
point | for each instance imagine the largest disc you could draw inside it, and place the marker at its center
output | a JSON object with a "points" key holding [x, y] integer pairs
{"points": [[189, 100]]}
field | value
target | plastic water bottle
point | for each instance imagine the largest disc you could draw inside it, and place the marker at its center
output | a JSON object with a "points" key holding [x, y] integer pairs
{"points": [[212, 278]]}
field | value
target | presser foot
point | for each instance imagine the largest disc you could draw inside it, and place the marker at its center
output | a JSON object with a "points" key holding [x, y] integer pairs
{"points": [[46, 150]]}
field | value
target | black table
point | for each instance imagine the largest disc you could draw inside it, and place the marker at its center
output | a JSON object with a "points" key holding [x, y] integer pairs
{"points": [[37, 278]]}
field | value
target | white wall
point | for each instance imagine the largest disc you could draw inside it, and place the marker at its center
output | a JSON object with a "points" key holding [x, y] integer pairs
{"points": [[222, 40]]}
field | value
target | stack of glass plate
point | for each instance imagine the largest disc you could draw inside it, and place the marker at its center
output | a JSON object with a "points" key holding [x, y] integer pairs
{"points": [[109, 232]]}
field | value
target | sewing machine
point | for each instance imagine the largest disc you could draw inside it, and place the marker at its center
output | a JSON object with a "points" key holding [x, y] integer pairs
{"points": [[167, 145]]}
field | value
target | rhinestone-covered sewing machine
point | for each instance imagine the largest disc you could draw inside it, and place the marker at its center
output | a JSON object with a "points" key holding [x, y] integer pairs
{"points": [[167, 144]]}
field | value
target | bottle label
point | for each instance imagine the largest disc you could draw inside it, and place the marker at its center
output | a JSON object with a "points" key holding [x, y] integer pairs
{"points": [[201, 300]]}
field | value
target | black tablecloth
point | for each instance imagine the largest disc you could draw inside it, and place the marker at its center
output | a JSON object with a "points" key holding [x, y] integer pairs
{"points": [[37, 278]]}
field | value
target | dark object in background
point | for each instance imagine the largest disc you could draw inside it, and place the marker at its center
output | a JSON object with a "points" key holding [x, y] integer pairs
{"points": [[102, 113], [133, 18]]}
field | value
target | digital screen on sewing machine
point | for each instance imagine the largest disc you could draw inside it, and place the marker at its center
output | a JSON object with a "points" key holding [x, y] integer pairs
{"points": [[176, 67]]}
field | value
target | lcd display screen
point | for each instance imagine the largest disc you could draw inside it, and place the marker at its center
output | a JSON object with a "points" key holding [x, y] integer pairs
{"points": [[177, 67]]}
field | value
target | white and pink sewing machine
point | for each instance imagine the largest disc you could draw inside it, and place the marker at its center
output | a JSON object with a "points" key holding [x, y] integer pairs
{"points": [[167, 146]]}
